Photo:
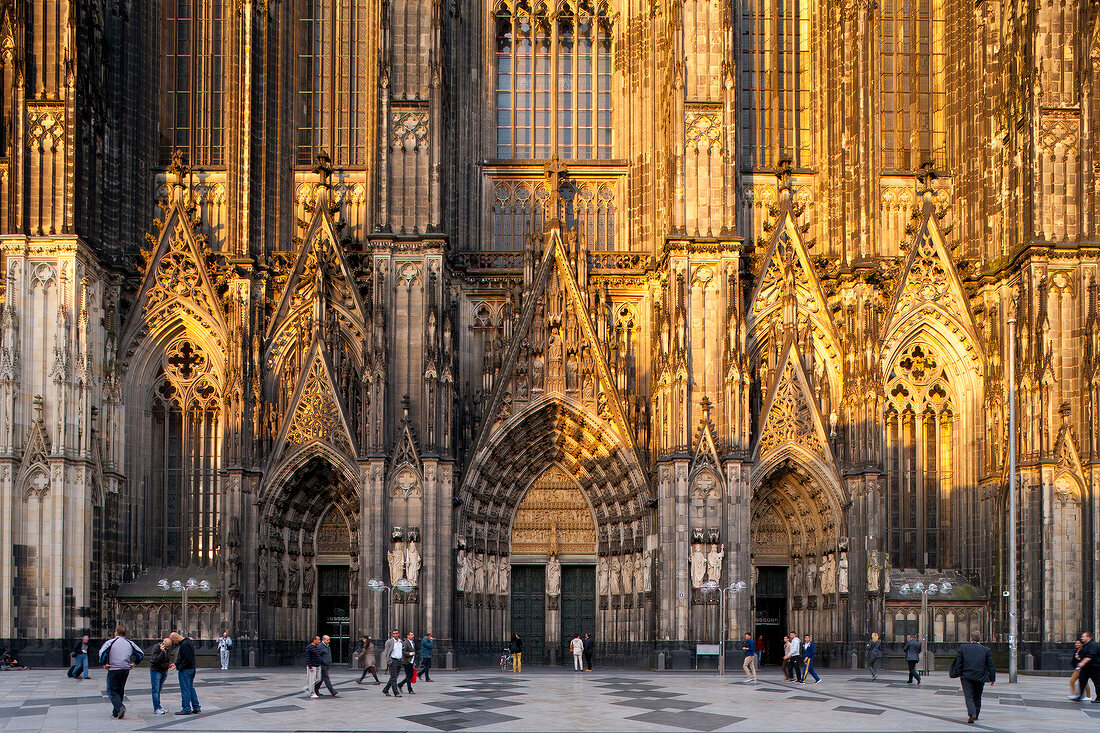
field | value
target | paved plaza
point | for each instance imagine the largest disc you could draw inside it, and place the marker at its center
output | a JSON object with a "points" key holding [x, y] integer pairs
{"points": [[543, 700]]}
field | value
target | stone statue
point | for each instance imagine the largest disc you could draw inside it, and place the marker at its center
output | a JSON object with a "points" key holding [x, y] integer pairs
{"points": [[628, 574], [639, 573], [462, 573], [714, 563], [828, 575], [796, 579], [307, 580], [698, 566], [491, 574], [412, 563], [614, 576], [261, 567], [505, 575], [553, 575], [292, 583], [811, 578], [842, 573], [647, 571], [479, 573], [397, 563], [874, 571], [601, 576]]}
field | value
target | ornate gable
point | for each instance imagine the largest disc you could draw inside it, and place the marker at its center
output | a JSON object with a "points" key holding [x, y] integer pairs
{"points": [[34, 470], [706, 452], [319, 292], [790, 415], [177, 282], [929, 288], [555, 353], [785, 268], [316, 413], [405, 468]]}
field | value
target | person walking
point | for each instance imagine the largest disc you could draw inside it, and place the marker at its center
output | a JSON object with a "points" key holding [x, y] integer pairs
{"points": [[185, 673], [324, 659], [515, 646], [313, 665], [809, 649], [118, 656], [749, 665], [366, 653], [577, 647], [426, 645], [796, 658], [1075, 695], [787, 657], [393, 654], [81, 661], [874, 654], [759, 651], [408, 657], [1089, 666], [912, 656], [160, 659], [589, 648], [973, 666], [224, 645]]}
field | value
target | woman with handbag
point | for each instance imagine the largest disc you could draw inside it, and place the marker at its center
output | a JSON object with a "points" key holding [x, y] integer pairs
{"points": [[366, 653]]}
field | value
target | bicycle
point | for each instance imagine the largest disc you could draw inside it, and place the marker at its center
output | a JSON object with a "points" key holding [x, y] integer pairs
{"points": [[506, 660]]}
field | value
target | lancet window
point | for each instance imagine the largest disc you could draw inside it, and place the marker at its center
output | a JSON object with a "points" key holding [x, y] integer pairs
{"points": [[920, 422], [192, 80], [775, 82], [912, 84], [184, 458], [553, 79], [332, 78]]}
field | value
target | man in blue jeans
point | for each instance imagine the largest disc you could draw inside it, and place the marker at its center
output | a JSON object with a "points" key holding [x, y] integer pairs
{"points": [[185, 671], [118, 656], [160, 659], [81, 652]]}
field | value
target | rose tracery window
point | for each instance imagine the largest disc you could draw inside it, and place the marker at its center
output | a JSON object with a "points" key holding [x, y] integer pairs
{"points": [[553, 79], [919, 431], [184, 457]]}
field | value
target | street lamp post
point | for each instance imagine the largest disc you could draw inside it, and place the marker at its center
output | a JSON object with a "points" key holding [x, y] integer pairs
{"points": [[376, 585], [180, 586], [943, 588], [1013, 622], [712, 586]]}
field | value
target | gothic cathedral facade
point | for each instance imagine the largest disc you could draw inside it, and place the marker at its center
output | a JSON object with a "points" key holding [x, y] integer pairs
{"points": [[663, 320]]}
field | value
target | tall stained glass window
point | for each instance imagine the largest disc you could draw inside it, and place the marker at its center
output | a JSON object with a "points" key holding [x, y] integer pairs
{"points": [[775, 82], [192, 80], [553, 80], [912, 84]]}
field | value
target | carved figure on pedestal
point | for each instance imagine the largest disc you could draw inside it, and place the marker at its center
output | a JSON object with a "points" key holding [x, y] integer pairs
{"points": [[647, 571], [874, 571], [601, 576], [714, 563], [505, 575], [479, 573], [491, 574], [462, 572], [842, 573], [698, 563], [553, 575], [307, 586], [397, 562], [615, 575], [628, 574], [292, 583], [639, 573], [811, 578], [828, 575], [412, 563]]}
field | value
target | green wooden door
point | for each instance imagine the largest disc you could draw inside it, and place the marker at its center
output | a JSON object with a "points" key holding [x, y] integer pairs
{"points": [[529, 610], [578, 605]]}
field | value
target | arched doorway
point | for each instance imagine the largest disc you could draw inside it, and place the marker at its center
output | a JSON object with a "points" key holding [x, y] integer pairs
{"points": [[553, 551], [308, 555], [799, 558]]}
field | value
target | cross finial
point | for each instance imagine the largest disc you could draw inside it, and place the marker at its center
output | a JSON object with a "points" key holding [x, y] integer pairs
{"points": [[555, 170], [784, 176], [324, 168], [926, 177]]}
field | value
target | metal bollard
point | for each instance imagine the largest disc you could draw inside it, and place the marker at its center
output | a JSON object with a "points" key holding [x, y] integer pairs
{"points": [[449, 660], [855, 660], [252, 658], [1029, 662], [661, 662]]}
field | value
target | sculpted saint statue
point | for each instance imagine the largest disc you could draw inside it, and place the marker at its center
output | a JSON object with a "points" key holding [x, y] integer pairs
{"points": [[462, 572], [601, 576], [647, 571], [397, 562], [614, 575], [491, 574], [628, 574], [479, 573], [842, 573], [714, 563], [553, 576], [505, 575], [412, 563], [639, 573], [698, 566]]}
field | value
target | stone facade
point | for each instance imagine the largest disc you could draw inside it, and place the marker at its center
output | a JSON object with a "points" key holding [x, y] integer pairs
{"points": [[297, 294]]}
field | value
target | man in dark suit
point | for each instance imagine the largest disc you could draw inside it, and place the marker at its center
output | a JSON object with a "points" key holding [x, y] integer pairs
{"points": [[912, 656], [1089, 666], [974, 666]]}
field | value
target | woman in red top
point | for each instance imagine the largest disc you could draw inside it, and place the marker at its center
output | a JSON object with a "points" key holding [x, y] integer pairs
{"points": [[759, 651]]}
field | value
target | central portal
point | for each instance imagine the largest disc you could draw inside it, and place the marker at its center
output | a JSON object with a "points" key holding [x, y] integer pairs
{"points": [[578, 605]]}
